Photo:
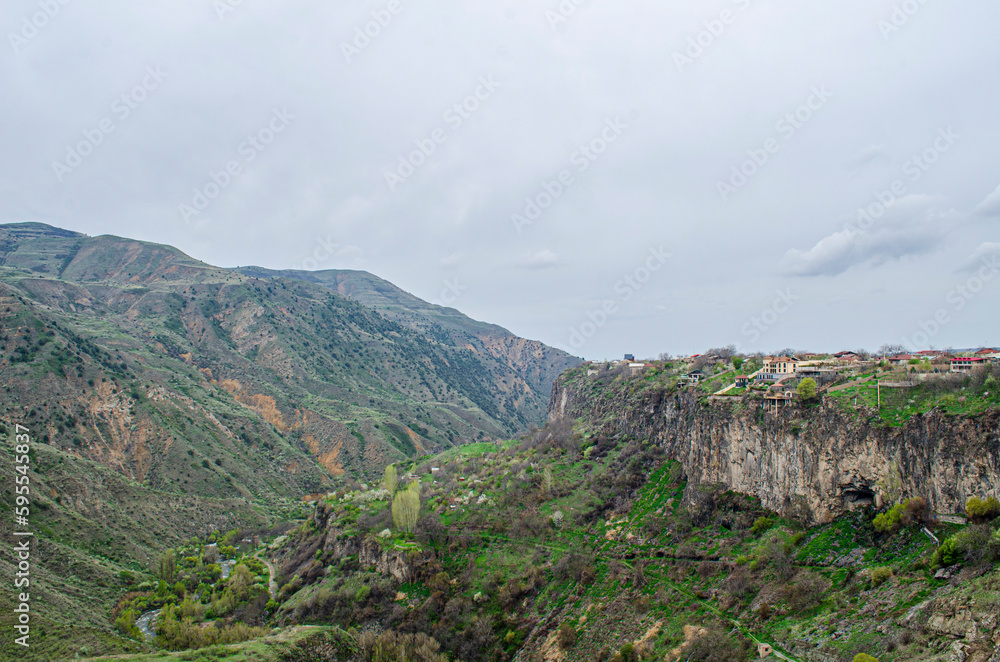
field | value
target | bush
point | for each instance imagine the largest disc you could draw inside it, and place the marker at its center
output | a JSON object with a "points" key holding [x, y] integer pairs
{"points": [[761, 525], [948, 553], [864, 657], [806, 591], [918, 508], [977, 544], [714, 646], [566, 636], [881, 575], [900, 515], [982, 510]]}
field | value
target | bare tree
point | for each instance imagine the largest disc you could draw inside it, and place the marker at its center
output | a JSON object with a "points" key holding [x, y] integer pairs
{"points": [[890, 349], [724, 353]]}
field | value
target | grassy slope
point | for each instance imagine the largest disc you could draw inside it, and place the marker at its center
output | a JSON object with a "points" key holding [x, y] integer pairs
{"points": [[703, 563], [289, 645]]}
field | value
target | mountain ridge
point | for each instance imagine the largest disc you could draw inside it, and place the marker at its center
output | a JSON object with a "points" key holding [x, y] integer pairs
{"points": [[181, 378]]}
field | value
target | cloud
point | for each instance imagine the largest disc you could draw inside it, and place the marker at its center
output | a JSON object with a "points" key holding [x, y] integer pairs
{"points": [[911, 226], [325, 175], [988, 253], [991, 205], [871, 155], [542, 259], [453, 260]]}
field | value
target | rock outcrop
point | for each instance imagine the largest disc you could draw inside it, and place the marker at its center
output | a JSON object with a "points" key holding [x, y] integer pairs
{"points": [[814, 462]]}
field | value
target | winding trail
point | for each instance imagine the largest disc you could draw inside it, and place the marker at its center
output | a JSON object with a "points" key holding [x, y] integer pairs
{"points": [[272, 583]]}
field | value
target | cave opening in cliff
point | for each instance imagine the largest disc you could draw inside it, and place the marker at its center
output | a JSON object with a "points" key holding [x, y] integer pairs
{"points": [[858, 497]]}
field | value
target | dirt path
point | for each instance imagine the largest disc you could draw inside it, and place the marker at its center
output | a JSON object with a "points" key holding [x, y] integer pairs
{"points": [[272, 583]]}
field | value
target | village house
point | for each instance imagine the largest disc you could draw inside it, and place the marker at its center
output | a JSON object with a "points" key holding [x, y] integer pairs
{"points": [[775, 400], [989, 354], [901, 359], [822, 376], [693, 377], [847, 357], [967, 363], [776, 367]]}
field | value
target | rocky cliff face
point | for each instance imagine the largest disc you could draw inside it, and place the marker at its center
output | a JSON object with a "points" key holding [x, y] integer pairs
{"points": [[324, 543], [815, 463]]}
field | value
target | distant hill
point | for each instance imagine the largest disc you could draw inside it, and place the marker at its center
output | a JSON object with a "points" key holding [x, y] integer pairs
{"points": [[341, 365]]}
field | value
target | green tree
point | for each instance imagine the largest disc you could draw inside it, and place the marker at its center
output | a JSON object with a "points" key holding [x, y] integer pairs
{"points": [[240, 582], [808, 389], [406, 507], [166, 566], [391, 479], [737, 362]]}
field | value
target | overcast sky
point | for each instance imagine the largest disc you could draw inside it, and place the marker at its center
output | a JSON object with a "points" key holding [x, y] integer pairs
{"points": [[569, 172]]}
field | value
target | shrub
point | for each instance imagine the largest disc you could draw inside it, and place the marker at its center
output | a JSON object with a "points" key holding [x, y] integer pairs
{"points": [[900, 515], [977, 544], [322, 646], [881, 575], [982, 510], [889, 521], [806, 591], [864, 657], [761, 525], [566, 636], [714, 646], [948, 553], [918, 508]]}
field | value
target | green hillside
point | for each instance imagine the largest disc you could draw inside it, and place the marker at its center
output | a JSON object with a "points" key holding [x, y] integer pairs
{"points": [[167, 397], [570, 545]]}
